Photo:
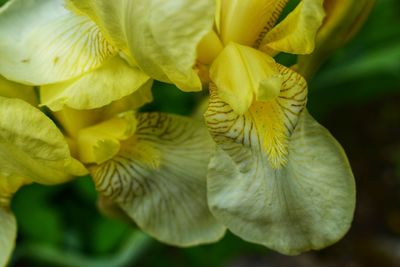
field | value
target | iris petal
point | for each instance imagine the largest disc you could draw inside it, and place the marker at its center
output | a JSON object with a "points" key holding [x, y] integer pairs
{"points": [[296, 33], [112, 81], [307, 204], [41, 42], [159, 179], [31, 146]]}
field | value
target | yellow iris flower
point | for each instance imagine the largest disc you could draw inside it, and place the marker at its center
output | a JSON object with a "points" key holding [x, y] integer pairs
{"points": [[278, 178], [150, 165]]}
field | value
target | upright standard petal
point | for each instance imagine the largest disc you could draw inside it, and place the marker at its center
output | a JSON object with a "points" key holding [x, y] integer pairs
{"points": [[31, 146], [163, 37], [296, 33], [243, 21], [242, 72], [112, 81], [160, 35], [306, 203], [159, 179], [41, 42]]}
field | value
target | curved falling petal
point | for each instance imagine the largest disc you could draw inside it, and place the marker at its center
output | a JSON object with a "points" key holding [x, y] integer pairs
{"points": [[41, 42], [31, 146], [293, 195], [159, 179]]}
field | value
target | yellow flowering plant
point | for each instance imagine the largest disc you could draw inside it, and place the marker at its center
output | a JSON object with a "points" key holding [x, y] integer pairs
{"points": [[260, 166]]}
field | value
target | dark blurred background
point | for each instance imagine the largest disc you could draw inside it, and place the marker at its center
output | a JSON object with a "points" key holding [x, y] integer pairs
{"points": [[356, 95]]}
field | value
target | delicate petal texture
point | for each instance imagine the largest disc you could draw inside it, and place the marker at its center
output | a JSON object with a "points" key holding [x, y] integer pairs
{"points": [[243, 21], [239, 72], [114, 80], [159, 179], [307, 204], [15, 90], [108, 15], [296, 33], [8, 234], [163, 38], [41, 42], [32, 147]]}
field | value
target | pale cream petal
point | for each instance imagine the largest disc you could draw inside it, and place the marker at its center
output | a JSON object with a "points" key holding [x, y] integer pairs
{"points": [[308, 203], [41, 42], [112, 81], [14, 90], [8, 234], [296, 33], [31, 146], [242, 72], [159, 179]]}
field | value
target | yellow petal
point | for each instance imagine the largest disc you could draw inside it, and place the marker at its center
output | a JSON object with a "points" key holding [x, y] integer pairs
{"points": [[243, 21], [296, 33], [109, 16], [8, 234], [274, 120], [15, 90], [239, 72], [101, 142], [159, 179], [31, 146], [308, 204], [343, 19], [41, 42], [209, 48], [112, 81], [161, 36], [72, 120]]}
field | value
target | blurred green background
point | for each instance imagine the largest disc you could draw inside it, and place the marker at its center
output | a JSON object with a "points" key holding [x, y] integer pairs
{"points": [[356, 95]]}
